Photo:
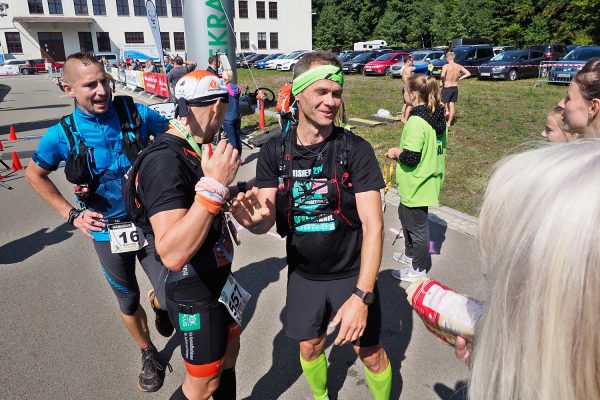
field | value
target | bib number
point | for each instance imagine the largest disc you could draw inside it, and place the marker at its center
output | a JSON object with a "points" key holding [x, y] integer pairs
{"points": [[234, 297], [125, 237]]}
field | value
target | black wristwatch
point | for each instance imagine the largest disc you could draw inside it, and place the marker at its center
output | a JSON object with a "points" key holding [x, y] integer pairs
{"points": [[241, 185], [73, 213], [367, 297]]}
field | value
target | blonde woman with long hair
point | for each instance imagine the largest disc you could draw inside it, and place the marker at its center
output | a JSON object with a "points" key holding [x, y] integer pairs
{"points": [[539, 232]]}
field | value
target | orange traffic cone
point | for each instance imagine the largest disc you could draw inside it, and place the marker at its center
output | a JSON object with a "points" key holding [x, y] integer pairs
{"points": [[16, 163], [13, 135]]}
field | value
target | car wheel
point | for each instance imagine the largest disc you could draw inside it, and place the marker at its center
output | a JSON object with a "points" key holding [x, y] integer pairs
{"points": [[26, 71], [512, 75], [387, 71]]}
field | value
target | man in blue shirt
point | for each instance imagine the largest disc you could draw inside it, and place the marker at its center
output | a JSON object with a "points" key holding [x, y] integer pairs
{"points": [[96, 124]]}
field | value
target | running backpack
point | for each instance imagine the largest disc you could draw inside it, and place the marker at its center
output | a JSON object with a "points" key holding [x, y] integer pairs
{"points": [[136, 211], [286, 107], [342, 146], [79, 159]]}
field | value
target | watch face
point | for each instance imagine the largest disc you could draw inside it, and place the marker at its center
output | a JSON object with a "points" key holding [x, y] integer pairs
{"points": [[369, 298]]}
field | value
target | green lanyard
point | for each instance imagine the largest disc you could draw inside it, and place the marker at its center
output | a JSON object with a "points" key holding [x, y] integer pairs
{"points": [[179, 127]]}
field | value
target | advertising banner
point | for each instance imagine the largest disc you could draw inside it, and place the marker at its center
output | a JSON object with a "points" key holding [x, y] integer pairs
{"points": [[156, 84], [141, 52], [130, 79], [139, 79]]}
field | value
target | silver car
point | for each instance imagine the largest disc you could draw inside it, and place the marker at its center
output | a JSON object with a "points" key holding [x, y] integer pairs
{"points": [[421, 59]]}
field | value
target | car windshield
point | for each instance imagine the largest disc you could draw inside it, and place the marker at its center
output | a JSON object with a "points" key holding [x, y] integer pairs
{"points": [[385, 57], [507, 56], [362, 57], [293, 55], [584, 54], [419, 56]]}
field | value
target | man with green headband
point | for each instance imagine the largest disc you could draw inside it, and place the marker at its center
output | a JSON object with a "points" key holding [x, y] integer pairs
{"points": [[321, 184]]}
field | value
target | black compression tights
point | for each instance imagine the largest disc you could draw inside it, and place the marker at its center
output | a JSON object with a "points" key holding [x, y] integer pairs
{"points": [[226, 389]]}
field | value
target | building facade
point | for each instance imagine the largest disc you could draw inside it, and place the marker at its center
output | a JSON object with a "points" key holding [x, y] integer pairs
{"points": [[56, 28]]}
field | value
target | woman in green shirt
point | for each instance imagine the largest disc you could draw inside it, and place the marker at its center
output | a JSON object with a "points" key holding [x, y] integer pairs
{"points": [[419, 173]]}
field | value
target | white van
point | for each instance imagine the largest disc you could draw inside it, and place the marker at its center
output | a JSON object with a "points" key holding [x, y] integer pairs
{"points": [[111, 57]]}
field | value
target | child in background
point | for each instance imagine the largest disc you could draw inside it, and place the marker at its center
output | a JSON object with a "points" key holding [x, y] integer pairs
{"points": [[554, 131], [233, 119]]}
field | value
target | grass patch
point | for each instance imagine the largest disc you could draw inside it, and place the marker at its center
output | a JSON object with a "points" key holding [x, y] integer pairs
{"points": [[494, 119]]}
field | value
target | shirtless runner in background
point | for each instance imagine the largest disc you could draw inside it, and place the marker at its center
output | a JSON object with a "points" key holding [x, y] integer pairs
{"points": [[451, 74]]}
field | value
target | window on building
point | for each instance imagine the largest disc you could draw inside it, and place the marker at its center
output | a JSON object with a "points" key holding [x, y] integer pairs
{"points": [[179, 40], [122, 7], [55, 6], [273, 10], [134, 37], [13, 42], [244, 40], [274, 39], [161, 8], [165, 41], [176, 9], [139, 7], [262, 40], [103, 39], [243, 8], [35, 7], [99, 7], [80, 7], [85, 41], [260, 9]]}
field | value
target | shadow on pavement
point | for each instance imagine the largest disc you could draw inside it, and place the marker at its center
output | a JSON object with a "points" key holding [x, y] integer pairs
{"points": [[166, 353], [4, 90], [23, 248], [35, 107], [437, 233], [22, 127], [445, 393]]}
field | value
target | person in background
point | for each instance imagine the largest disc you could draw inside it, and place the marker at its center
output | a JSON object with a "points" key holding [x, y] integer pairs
{"points": [[451, 74], [420, 173], [168, 64], [233, 119], [179, 69], [554, 131], [149, 67], [213, 64], [407, 72], [581, 112], [539, 337]]}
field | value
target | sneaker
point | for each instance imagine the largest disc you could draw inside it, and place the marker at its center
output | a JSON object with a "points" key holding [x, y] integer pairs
{"points": [[403, 258], [153, 372], [408, 274], [161, 317]]}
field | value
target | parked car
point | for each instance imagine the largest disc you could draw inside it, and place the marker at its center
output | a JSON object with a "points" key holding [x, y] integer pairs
{"points": [[421, 60], [244, 55], [551, 51], [357, 64], [40, 65], [470, 57], [288, 63], [458, 42], [382, 64], [570, 47], [500, 49], [25, 67], [249, 62], [512, 65], [349, 55], [111, 57], [570, 64], [260, 64], [290, 56], [271, 63]]}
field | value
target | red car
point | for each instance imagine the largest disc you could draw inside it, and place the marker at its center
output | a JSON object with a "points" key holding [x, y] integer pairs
{"points": [[382, 64], [40, 65]]}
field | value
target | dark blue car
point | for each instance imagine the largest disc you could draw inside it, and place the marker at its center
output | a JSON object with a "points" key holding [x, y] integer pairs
{"points": [[470, 57], [512, 65], [261, 64], [564, 70]]}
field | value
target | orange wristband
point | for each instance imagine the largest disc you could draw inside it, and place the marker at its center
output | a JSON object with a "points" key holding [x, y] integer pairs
{"points": [[211, 206]]}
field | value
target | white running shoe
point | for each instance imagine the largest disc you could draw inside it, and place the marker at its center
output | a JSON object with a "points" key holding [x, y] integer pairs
{"points": [[408, 274], [403, 258]]}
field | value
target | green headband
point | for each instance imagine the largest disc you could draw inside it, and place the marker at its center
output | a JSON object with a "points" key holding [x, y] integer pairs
{"points": [[307, 78]]}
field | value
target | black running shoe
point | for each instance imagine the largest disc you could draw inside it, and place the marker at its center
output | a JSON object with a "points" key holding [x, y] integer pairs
{"points": [[153, 372], [161, 317]]}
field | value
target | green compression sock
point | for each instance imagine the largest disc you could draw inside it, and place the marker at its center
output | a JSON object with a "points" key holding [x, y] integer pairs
{"points": [[380, 384], [315, 372]]}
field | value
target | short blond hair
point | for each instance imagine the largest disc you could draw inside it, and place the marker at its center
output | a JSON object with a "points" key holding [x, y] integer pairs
{"points": [[450, 55], [227, 74]]}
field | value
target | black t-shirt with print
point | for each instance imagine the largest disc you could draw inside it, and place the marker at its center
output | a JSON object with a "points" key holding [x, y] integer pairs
{"points": [[323, 246], [166, 182]]}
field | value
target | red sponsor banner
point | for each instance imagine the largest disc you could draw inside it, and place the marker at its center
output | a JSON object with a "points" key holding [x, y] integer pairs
{"points": [[156, 84]]}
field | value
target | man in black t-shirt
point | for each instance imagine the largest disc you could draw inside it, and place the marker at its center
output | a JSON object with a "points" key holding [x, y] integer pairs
{"points": [[178, 71], [321, 185], [182, 190]]}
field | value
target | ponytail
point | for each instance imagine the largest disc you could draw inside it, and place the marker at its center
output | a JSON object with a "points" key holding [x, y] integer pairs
{"points": [[427, 90]]}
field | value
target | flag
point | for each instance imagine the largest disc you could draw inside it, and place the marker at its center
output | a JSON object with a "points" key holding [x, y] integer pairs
{"points": [[155, 28]]}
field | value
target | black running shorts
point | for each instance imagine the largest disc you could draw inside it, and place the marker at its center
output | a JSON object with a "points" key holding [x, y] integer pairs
{"points": [[202, 327], [449, 95], [310, 305]]}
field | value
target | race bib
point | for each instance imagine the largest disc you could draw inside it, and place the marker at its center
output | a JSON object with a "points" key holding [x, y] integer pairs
{"points": [[234, 297], [125, 237]]}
